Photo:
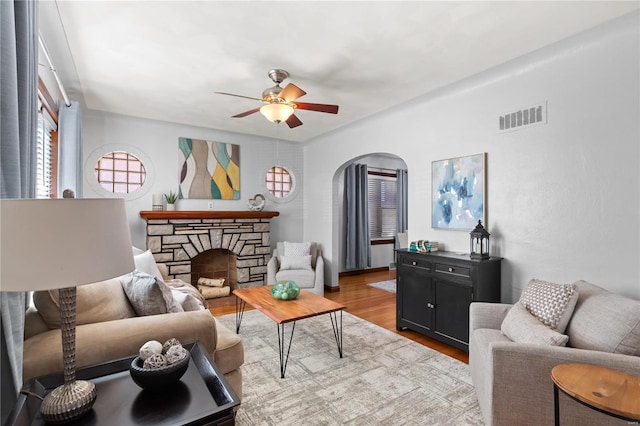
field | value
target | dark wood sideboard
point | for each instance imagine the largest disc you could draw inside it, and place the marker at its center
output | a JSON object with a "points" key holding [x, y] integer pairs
{"points": [[434, 291]]}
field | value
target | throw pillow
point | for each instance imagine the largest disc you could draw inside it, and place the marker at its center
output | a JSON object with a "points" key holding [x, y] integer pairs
{"points": [[295, 262], [97, 302], [148, 295], [605, 321], [187, 301], [550, 303], [522, 327], [296, 249], [146, 263]]}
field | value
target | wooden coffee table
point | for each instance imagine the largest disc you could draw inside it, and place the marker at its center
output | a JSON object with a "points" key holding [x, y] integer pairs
{"points": [[306, 305], [612, 392]]}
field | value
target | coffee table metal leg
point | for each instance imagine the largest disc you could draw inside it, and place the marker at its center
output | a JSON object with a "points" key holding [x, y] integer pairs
{"points": [[556, 406], [240, 304], [284, 358], [337, 329]]}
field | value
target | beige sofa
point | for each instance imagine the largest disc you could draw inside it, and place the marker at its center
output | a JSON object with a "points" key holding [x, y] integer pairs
{"points": [[512, 380], [108, 328]]}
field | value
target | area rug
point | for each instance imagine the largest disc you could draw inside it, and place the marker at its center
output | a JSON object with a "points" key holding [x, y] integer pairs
{"points": [[389, 285], [383, 378]]}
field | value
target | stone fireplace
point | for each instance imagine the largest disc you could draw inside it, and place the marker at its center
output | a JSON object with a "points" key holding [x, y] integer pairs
{"points": [[211, 244]]}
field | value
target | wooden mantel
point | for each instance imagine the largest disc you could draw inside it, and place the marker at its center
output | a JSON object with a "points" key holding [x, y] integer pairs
{"points": [[206, 214]]}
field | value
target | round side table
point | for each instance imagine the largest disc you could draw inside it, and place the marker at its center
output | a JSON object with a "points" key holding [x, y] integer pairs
{"points": [[609, 391]]}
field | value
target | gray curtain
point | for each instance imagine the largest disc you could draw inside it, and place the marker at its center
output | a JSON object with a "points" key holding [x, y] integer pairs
{"points": [[18, 100], [18, 138], [358, 254], [70, 148], [402, 222]]}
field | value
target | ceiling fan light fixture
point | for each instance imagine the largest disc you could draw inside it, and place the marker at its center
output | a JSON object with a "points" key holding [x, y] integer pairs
{"points": [[277, 112]]}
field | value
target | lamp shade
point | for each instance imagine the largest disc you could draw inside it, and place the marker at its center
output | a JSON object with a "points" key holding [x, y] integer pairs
{"points": [[48, 244], [277, 112]]}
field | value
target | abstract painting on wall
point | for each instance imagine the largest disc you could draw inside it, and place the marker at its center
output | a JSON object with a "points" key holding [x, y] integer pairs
{"points": [[208, 169], [458, 192]]}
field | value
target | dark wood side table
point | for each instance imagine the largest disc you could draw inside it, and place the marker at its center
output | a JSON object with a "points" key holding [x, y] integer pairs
{"points": [[609, 391], [201, 397]]}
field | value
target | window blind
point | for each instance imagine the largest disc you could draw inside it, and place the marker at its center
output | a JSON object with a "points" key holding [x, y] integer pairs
{"points": [[382, 207], [44, 148]]}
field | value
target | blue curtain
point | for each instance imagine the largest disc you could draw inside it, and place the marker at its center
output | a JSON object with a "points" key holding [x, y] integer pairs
{"points": [[358, 255], [18, 139], [70, 148], [402, 221]]}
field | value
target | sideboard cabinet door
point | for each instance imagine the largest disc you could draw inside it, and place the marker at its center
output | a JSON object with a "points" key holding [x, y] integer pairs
{"points": [[415, 298]]}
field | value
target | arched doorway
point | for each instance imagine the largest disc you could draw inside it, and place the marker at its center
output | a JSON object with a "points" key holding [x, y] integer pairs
{"points": [[382, 254]]}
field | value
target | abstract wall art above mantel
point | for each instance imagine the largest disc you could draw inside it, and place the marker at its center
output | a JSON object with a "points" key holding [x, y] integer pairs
{"points": [[458, 192], [208, 170]]}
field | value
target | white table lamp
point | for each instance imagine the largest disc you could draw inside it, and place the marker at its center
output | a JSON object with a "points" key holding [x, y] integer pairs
{"points": [[61, 244]]}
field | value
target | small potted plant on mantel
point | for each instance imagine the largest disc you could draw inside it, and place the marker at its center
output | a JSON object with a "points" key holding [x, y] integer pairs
{"points": [[171, 198]]}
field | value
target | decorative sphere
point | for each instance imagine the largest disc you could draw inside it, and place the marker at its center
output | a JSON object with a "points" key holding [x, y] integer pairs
{"points": [[171, 342], [155, 361], [175, 353], [285, 290], [150, 348]]}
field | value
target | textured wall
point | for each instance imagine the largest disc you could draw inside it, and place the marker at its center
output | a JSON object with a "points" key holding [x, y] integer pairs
{"points": [[563, 198], [157, 142]]}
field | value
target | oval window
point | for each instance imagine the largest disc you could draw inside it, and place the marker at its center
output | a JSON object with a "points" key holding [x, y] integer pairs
{"points": [[120, 172]]}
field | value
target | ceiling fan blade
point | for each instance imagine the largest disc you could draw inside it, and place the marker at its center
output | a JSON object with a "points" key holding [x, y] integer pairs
{"points": [[293, 121], [237, 96], [291, 92], [331, 109], [244, 114]]}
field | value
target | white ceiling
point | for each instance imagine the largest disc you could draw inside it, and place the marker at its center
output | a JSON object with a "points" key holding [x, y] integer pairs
{"points": [[165, 60]]}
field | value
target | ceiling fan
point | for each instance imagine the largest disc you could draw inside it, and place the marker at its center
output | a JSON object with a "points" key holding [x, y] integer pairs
{"points": [[279, 103]]}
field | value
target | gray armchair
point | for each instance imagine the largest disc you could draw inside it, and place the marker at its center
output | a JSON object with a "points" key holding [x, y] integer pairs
{"points": [[308, 279]]}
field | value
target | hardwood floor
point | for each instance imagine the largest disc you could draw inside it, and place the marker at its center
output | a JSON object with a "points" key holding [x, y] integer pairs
{"points": [[374, 305]]}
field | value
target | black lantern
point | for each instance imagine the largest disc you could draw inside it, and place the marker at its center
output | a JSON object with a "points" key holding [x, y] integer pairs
{"points": [[479, 242]]}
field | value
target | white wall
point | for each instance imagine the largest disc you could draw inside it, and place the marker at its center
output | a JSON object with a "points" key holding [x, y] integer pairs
{"points": [[157, 145], [563, 198]]}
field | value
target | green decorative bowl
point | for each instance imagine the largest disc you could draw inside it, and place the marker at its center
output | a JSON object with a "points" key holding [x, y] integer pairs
{"points": [[285, 290]]}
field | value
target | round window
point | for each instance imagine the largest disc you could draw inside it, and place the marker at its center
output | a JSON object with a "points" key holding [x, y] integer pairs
{"points": [[120, 172], [279, 182]]}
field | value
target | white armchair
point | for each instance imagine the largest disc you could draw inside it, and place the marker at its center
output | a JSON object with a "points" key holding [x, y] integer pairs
{"points": [[294, 269]]}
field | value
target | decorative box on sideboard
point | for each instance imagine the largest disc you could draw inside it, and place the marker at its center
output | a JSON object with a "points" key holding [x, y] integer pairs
{"points": [[435, 291]]}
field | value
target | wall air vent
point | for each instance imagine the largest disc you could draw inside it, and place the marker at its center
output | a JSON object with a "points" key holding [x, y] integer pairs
{"points": [[523, 118]]}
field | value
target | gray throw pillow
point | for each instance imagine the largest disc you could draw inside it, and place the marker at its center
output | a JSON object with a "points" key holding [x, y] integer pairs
{"points": [[148, 295], [605, 321], [522, 327]]}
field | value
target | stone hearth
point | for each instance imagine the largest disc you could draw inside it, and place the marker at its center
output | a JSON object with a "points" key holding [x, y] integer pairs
{"points": [[176, 237]]}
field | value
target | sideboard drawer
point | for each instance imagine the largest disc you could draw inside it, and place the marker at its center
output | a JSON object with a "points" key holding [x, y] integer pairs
{"points": [[416, 262], [452, 269]]}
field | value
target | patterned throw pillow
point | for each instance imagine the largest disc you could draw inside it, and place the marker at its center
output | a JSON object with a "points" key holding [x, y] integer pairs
{"points": [[296, 249], [550, 303]]}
